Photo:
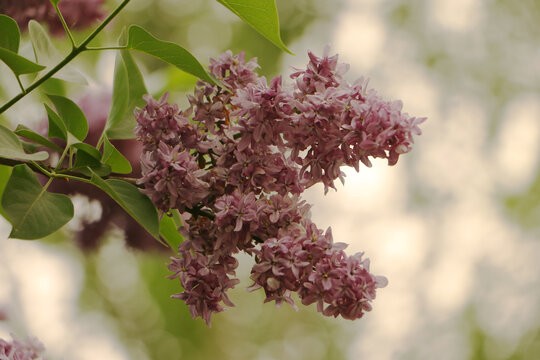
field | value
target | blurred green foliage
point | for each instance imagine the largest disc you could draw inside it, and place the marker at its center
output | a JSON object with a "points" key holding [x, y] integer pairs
{"points": [[486, 347], [146, 315]]}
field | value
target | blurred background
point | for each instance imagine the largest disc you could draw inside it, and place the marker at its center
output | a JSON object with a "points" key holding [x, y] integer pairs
{"points": [[454, 226]]}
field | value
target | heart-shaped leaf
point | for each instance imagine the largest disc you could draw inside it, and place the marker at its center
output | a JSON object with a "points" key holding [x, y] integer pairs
{"points": [[142, 40], [168, 229], [261, 15], [29, 134], [111, 156], [18, 64], [49, 56], [128, 90], [57, 128], [5, 173], [89, 157], [134, 202], [11, 147], [31, 210], [71, 115], [10, 36]]}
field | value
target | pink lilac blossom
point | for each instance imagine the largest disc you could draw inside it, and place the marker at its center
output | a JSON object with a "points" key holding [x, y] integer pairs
{"points": [[30, 349], [205, 282], [79, 14], [235, 164], [172, 178]]}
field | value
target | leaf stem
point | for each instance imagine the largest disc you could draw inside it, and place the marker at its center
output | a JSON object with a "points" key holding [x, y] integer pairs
{"points": [[101, 139], [41, 169], [74, 52], [107, 48], [67, 173], [72, 177], [66, 28], [66, 149], [20, 83]]}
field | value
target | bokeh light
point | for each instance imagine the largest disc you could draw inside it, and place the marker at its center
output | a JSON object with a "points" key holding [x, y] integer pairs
{"points": [[455, 225]]}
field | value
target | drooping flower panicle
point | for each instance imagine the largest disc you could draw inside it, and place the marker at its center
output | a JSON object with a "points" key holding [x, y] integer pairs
{"points": [[235, 164]]}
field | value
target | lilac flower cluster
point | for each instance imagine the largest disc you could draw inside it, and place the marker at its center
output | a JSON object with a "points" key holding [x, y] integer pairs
{"points": [[308, 262], [235, 164], [79, 14], [31, 349]]}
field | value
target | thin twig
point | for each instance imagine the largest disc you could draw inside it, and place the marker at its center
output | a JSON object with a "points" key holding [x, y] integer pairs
{"points": [[66, 28], [68, 174]]}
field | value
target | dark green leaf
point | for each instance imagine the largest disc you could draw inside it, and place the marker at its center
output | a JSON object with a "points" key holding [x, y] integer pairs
{"points": [[10, 35], [140, 39], [168, 229], [49, 56], [261, 15], [29, 147], [128, 90], [132, 201], [31, 210], [111, 156], [118, 118], [5, 173], [89, 149], [71, 115], [89, 157], [18, 64], [11, 147], [57, 128], [29, 134]]}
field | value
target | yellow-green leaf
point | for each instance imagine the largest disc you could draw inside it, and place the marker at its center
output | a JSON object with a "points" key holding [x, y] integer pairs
{"points": [[261, 15], [142, 40]]}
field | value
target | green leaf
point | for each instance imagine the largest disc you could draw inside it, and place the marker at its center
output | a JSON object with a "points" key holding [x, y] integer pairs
{"points": [[49, 56], [11, 147], [259, 14], [168, 229], [142, 40], [119, 123], [128, 90], [31, 210], [71, 115], [57, 128], [5, 173], [55, 2], [10, 35], [89, 149], [111, 156], [18, 64], [134, 202], [29, 134], [29, 147], [89, 157]]}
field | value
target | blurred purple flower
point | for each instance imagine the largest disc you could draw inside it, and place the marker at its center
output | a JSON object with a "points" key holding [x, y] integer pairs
{"points": [[29, 349], [79, 14]]}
